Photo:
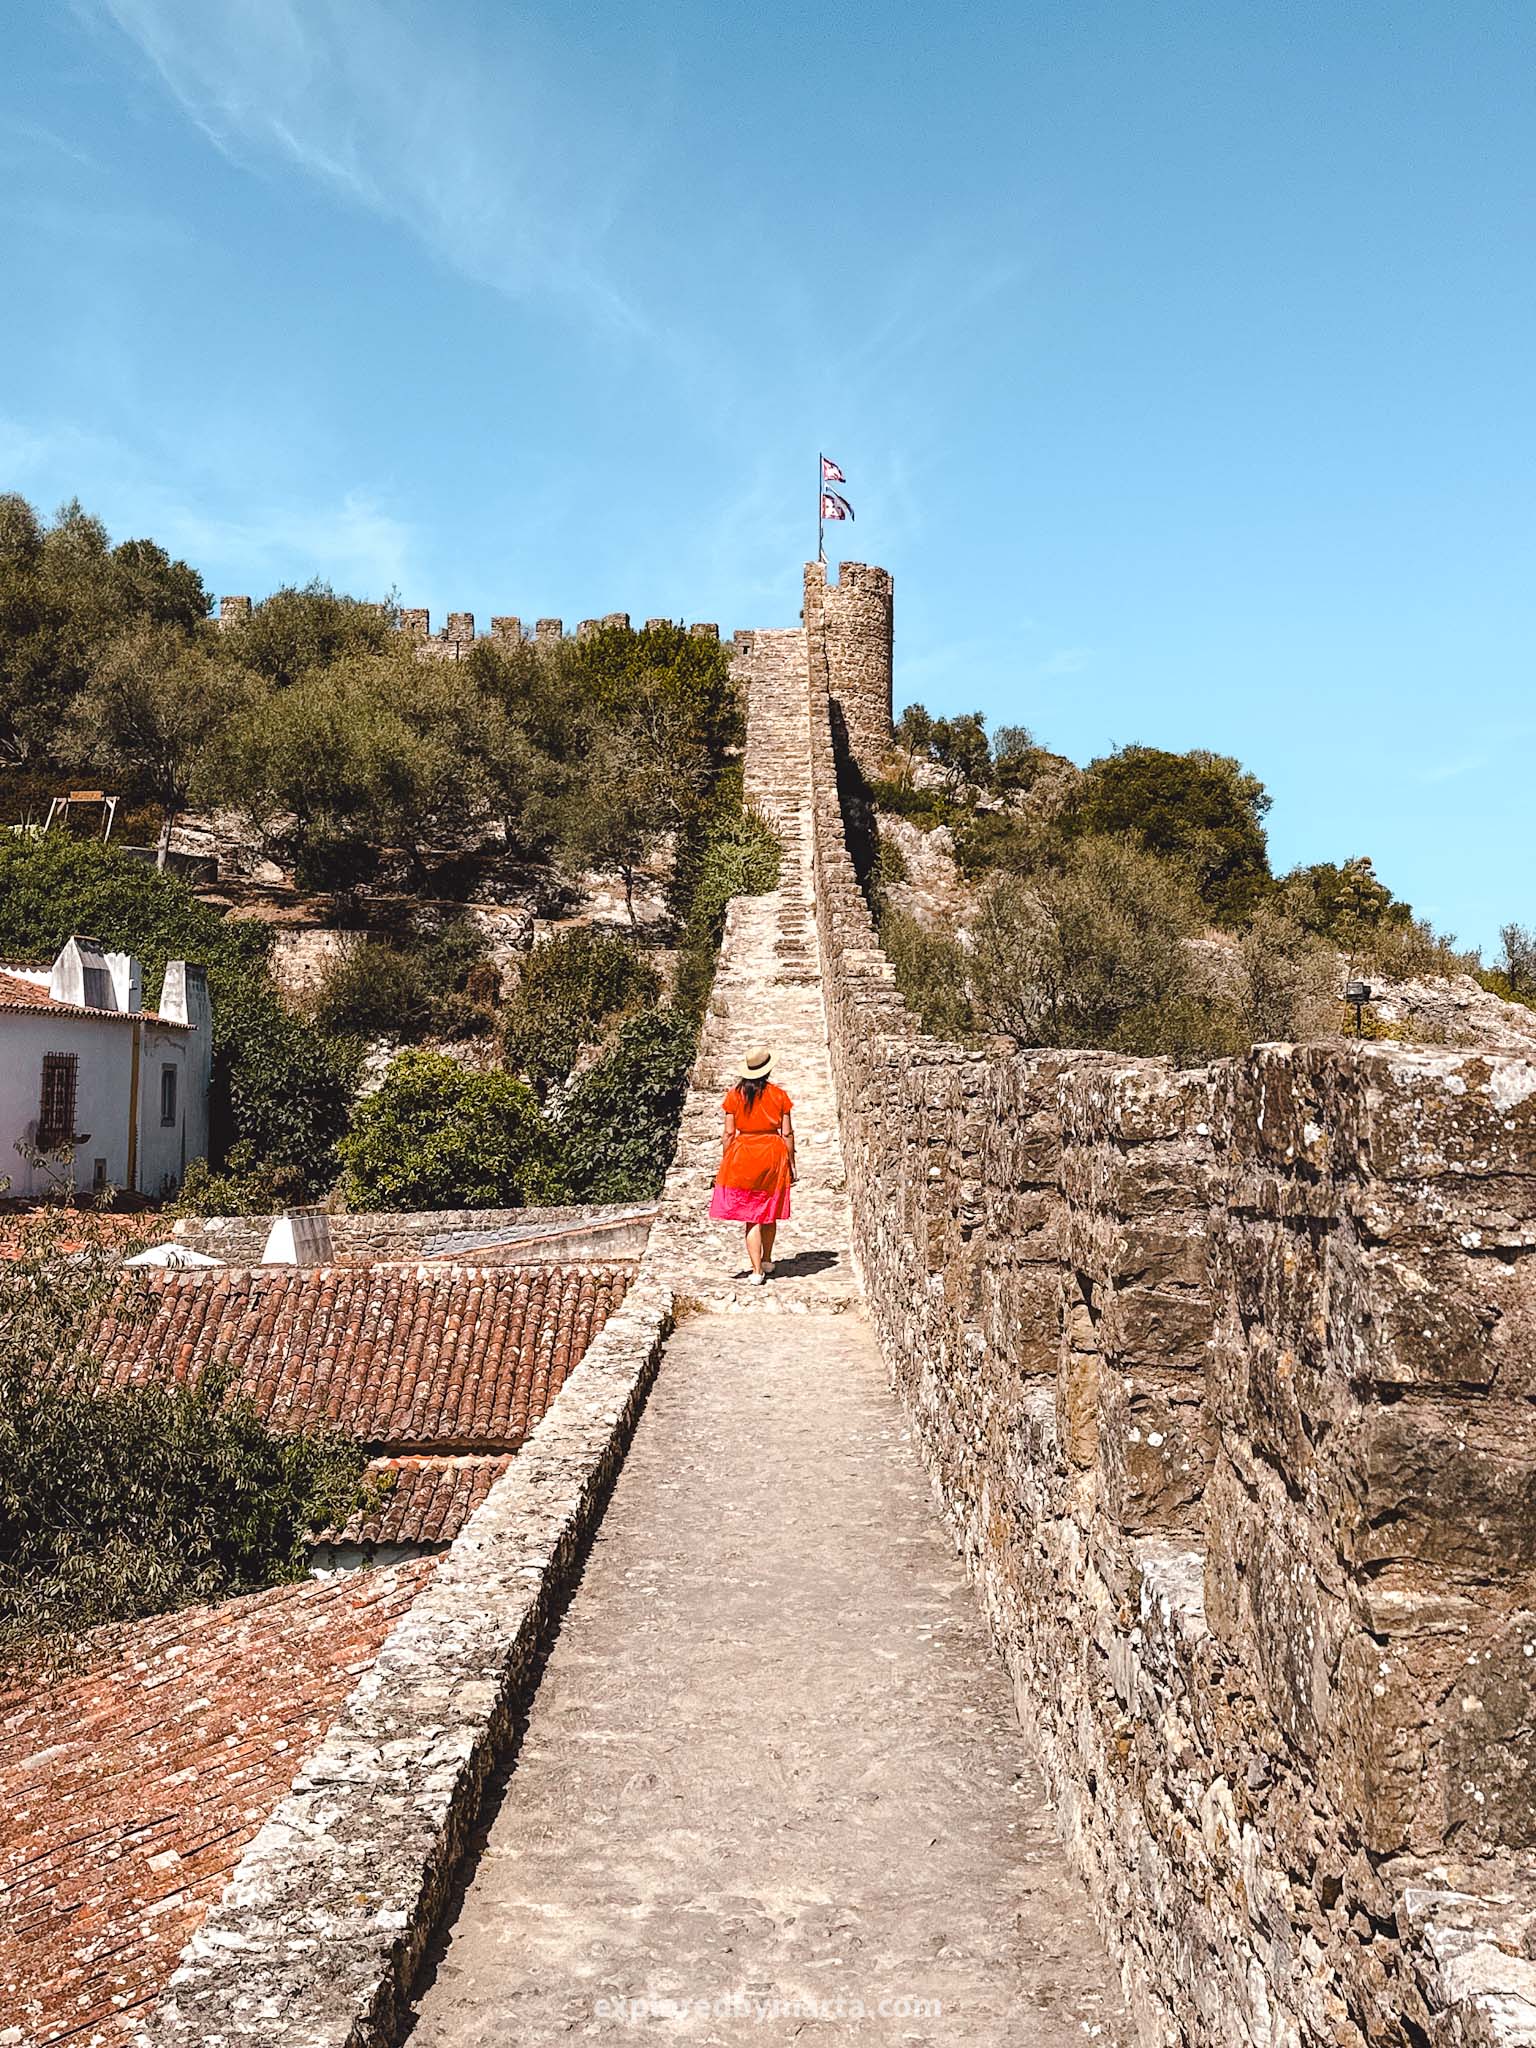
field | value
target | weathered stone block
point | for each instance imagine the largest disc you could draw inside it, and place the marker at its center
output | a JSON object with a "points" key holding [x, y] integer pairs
{"points": [[1153, 1448], [1449, 1485]]}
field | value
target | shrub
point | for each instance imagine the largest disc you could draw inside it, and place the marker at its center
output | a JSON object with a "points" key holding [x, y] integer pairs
{"points": [[739, 855], [1402, 952], [119, 1502], [570, 989], [615, 1130], [371, 990], [925, 807], [1093, 956], [1288, 980], [1017, 841], [436, 1136], [890, 865], [245, 1187], [931, 971]]}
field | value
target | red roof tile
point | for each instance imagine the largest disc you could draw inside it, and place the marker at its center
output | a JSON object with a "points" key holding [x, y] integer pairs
{"points": [[428, 1502], [129, 1787], [404, 1358]]}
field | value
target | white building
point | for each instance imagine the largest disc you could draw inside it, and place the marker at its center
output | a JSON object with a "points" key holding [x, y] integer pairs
{"points": [[85, 1069]]}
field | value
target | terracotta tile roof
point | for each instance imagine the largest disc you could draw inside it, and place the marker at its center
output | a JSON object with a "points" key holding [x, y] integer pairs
{"points": [[405, 1358], [429, 1499], [128, 1788], [17, 993], [122, 1233]]}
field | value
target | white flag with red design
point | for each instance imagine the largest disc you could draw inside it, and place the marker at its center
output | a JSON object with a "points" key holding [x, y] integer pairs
{"points": [[830, 473], [835, 507]]}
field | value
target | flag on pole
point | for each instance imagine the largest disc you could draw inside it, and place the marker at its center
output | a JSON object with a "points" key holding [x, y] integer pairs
{"points": [[830, 473], [835, 507]]}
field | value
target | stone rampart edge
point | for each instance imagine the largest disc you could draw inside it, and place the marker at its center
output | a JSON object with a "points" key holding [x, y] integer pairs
{"points": [[1475, 1986], [321, 1928]]}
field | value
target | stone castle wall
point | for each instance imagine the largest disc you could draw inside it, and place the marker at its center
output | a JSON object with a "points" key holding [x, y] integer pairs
{"points": [[1224, 1378], [458, 636]]}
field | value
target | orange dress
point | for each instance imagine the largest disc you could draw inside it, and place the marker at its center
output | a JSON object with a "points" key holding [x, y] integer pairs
{"points": [[752, 1185]]}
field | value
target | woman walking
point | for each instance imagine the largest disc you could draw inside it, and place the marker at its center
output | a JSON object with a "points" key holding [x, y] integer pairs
{"points": [[757, 1159]]}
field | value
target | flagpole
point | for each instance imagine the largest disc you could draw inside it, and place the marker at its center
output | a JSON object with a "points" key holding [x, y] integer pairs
{"points": [[821, 524]]}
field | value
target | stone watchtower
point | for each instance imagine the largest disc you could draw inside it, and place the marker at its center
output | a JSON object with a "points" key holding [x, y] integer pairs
{"points": [[848, 626]]}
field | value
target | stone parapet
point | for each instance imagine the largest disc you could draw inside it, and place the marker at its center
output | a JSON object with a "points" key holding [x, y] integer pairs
{"points": [[612, 1229], [1224, 1379], [322, 1929]]}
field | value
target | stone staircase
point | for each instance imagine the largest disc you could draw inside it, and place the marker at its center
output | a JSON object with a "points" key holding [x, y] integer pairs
{"points": [[767, 991]]}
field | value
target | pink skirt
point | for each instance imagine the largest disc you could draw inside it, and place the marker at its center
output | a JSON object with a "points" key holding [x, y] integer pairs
{"points": [[740, 1205]]}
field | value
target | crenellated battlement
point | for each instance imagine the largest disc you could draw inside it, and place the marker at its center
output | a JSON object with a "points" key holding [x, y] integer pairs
{"points": [[458, 636]]}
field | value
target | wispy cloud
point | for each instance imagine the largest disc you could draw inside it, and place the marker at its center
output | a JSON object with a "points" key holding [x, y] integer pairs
{"points": [[352, 540], [1448, 771], [1066, 661], [499, 172], [20, 138]]}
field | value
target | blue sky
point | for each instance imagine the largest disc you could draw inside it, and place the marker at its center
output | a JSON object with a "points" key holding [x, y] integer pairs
{"points": [[1180, 357]]}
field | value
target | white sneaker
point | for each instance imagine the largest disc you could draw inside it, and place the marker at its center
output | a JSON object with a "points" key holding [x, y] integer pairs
{"points": [[756, 1279]]}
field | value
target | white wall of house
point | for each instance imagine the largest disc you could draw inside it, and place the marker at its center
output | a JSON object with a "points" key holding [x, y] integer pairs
{"points": [[140, 1080], [103, 1048]]}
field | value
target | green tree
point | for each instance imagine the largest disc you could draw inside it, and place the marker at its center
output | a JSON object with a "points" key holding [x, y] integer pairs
{"points": [[297, 630], [1199, 808], [436, 1136], [914, 735], [65, 594], [1094, 955], [660, 715], [148, 710], [119, 1501], [1517, 962], [615, 1131], [959, 746], [614, 815], [278, 1082], [569, 992], [371, 752], [1347, 904], [671, 690]]}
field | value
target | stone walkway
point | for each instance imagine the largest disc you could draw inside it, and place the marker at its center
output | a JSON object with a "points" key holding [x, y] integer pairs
{"points": [[772, 1753], [767, 991], [771, 1757]]}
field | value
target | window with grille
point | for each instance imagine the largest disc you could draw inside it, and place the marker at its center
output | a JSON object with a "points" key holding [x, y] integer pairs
{"points": [[56, 1117], [167, 1094]]}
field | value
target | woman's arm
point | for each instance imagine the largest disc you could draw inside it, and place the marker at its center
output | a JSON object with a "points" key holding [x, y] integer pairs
{"points": [[727, 1134], [788, 1128]]}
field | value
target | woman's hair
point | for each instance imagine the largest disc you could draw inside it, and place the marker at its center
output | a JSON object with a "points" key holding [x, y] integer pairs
{"points": [[750, 1090]]}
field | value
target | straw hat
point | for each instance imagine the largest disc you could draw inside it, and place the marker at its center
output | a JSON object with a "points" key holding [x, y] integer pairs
{"points": [[757, 1065]]}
